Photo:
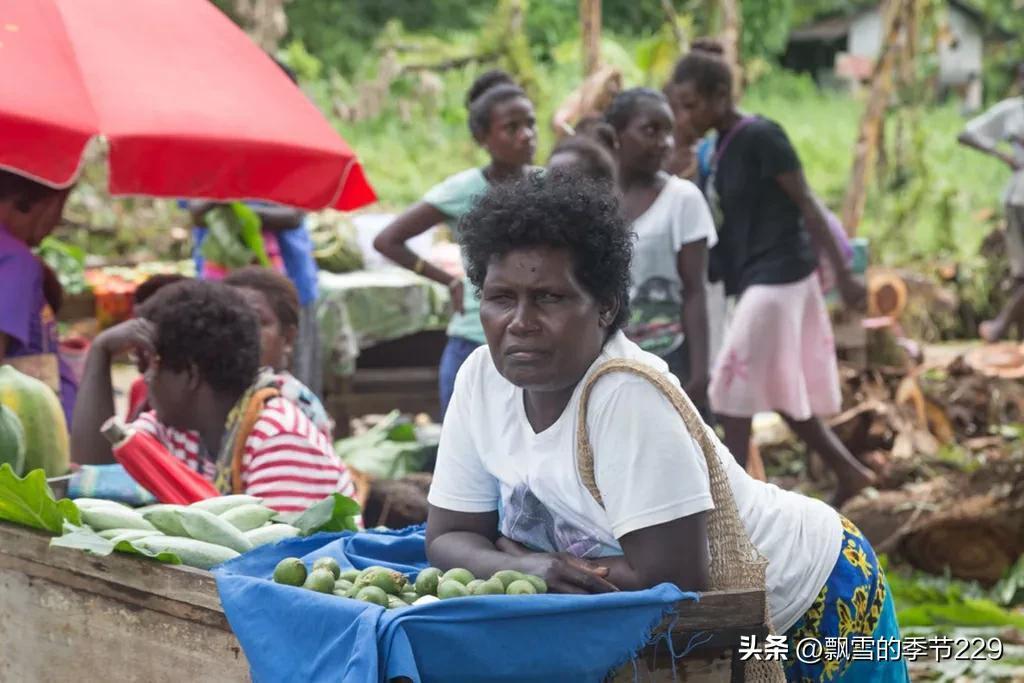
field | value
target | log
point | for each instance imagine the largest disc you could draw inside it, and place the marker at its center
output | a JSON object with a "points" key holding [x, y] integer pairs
{"points": [[590, 23], [971, 525], [732, 25], [873, 119]]}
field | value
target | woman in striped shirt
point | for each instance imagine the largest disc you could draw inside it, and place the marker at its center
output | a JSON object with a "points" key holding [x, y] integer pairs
{"points": [[215, 410]]}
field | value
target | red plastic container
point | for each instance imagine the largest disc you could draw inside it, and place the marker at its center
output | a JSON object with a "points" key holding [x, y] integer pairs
{"points": [[154, 468]]}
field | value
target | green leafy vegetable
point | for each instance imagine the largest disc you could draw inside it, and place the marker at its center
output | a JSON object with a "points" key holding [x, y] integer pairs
{"points": [[388, 450], [235, 237], [29, 502], [84, 538], [67, 261], [334, 513]]}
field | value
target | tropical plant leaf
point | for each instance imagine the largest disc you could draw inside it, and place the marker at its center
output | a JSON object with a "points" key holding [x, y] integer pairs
{"points": [[28, 501], [334, 513], [84, 538]]}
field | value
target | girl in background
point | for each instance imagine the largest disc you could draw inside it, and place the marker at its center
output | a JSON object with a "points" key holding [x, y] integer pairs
{"points": [[502, 121]]}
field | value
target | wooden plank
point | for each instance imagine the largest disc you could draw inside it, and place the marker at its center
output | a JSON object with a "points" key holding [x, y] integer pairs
{"points": [[53, 633], [126, 573], [722, 609]]}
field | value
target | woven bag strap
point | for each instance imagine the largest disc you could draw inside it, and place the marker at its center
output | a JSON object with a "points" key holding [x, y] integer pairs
{"points": [[250, 417], [730, 546], [735, 562]]}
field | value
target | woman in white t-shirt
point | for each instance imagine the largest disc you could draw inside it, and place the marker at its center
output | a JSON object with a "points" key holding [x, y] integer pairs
{"points": [[551, 258], [674, 230]]}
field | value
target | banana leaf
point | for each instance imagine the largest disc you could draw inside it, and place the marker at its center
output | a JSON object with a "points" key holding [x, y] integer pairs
{"points": [[235, 237]]}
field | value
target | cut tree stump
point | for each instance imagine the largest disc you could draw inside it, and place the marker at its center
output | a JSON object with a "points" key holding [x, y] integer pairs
{"points": [[969, 524]]}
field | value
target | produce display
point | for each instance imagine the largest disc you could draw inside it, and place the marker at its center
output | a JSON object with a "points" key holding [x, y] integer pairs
{"points": [[12, 440], [393, 590], [335, 244], [43, 425], [201, 535]]}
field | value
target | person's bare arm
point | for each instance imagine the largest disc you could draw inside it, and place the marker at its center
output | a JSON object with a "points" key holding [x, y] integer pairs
{"points": [[96, 391], [673, 552], [391, 242], [692, 264], [460, 539], [971, 140], [794, 184]]}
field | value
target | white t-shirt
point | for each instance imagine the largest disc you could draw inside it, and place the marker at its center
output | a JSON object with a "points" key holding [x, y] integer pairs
{"points": [[648, 468], [679, 215], [1004, 122]]}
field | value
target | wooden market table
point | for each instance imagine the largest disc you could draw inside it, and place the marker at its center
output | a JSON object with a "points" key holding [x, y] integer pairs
{"points": [[65, 614]]}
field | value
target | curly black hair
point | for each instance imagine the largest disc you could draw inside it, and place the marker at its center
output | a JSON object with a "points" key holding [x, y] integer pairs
{"points": [[207, 324], [625, 104], [566, 212], [278, 289], [488, 90], [154, 284]]}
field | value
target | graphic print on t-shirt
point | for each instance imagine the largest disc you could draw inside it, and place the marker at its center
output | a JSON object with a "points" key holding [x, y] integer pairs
{"points": [[654, 322], [526, 520]]}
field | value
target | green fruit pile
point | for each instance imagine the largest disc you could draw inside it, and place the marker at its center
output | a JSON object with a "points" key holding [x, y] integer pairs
{"points": [[458, 583], [378, 585], [392, 590]]}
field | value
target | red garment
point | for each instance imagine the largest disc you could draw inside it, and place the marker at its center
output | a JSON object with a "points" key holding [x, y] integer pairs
{"points": [[287, 461], [138, 396]]}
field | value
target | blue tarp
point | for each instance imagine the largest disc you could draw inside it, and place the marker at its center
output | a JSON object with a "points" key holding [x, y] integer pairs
{"points": [[293, 634]]}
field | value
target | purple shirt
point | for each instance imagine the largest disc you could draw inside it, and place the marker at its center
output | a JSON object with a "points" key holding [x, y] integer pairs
{"points": [[25, 317]]}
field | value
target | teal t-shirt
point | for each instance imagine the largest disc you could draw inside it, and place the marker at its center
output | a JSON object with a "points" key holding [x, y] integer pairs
{"points": [[454, 197]]}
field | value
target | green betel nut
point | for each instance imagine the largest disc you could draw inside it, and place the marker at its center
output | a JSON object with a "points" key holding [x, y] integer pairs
{"points": [[507, 576], [320, 580], [520, 587], [451, 589], [330, 564], [290, 571], [463, 576], [492, 586], [388, 580], [427, 580], [373, 595]]}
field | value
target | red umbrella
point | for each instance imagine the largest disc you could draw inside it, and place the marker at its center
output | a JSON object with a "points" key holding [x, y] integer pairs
{"points": [[190, 106]]}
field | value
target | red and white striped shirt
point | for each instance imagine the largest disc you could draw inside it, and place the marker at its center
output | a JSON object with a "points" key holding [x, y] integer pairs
{"points": [[286, 461]]}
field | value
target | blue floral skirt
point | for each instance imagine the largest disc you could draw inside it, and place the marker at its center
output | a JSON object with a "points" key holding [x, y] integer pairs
{"points": [[847, 631]]}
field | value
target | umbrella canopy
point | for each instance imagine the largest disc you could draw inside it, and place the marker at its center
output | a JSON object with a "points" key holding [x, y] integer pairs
{"points": [[190, 106]]}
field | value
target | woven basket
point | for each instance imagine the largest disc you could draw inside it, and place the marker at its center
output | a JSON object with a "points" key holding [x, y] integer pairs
{"points": [[735, 562]]}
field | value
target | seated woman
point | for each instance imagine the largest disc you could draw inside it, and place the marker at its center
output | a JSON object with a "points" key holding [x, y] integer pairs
{"points": [[212, 406], [551, 259]]}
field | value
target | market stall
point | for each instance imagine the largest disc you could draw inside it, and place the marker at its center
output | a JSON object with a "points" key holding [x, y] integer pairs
{"points": [[108, 617]]}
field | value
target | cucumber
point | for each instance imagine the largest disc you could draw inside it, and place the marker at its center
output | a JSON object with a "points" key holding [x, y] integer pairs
{"points": [[166, 519], [108, 517], [271, 534], [93, 503], [111, 533], [206, 526], [192, 552], [132, 535], [222, 504], [249, 516]]}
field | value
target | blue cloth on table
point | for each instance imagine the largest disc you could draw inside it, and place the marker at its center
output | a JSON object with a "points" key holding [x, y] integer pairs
{"points": [[293, 634], [111, 482]]}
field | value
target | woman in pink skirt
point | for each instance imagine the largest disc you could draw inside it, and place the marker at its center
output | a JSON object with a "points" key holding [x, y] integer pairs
{"points": [[779, 354]]}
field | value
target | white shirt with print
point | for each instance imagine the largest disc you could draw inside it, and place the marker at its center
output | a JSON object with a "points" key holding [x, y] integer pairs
{"points": [[648, 468]]}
